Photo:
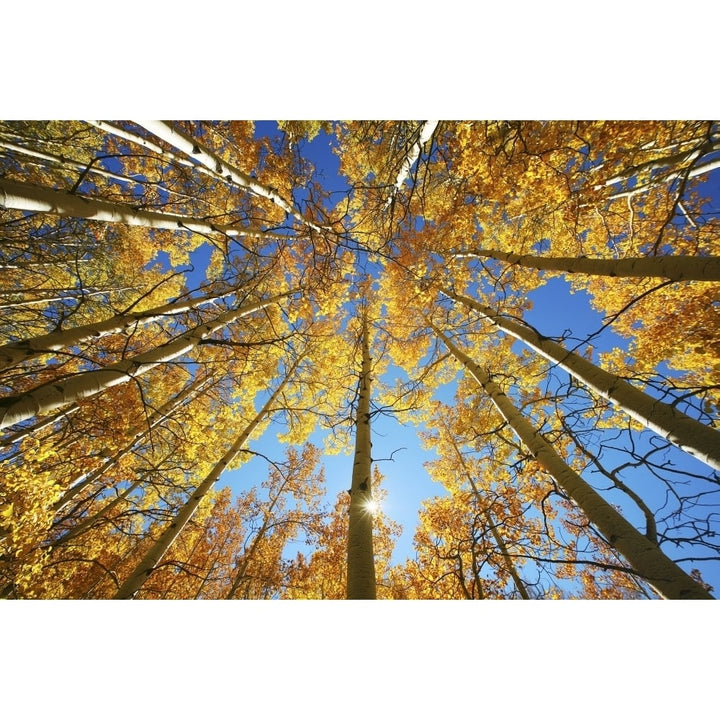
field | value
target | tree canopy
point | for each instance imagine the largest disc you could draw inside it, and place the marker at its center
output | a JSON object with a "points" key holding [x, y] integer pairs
{"points": [[539, 300]]}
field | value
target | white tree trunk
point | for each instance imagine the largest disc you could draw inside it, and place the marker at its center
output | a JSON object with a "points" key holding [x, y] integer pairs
{"points": [[361, 584], [20, 435], [499, 541], [80, 482], [139, 140], [32, 198], [210, 160], [643, 556], [678, 267], [61, 161], [700, 441], [428, 128], [55, 394], [15, 352]]}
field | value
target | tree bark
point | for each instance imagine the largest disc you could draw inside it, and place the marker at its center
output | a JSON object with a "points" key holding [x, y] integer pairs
{"points": [[684, 158], [20, 435], [426, 132], [54, 394], [33, 198], [193, 148], [63, 161], [141, 141], [361, 584], [678, 268], [60, 298], [15, 352], [643, 556], [79, 483], [700, 441], [86, 524]]}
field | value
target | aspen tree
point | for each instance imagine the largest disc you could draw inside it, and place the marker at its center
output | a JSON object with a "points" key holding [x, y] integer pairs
{"points": [[32, 198], [192, 147], [88, 522], [54, 395], [425, 132], [691, 435], [292, 481], [155, 554], [360, 556], [643, 556], [16, 352], [485, 511], [95, 216], [79, 483], [679, 268]]}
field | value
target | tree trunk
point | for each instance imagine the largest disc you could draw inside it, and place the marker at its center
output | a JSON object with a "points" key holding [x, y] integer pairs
{"points": [[219, 549], [248, 556], [78, 484], [87, 523], [55, 394], [642, 555], [20, 435], [360, 554], [141, 141], [32, 198], [155, 554], [193, 148], [426, 132], [507, 560], [700, 441], [674, 267], [15, 352], [60, 298], [63, 162]]}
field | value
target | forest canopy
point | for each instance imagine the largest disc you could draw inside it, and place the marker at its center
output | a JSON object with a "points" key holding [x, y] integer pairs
{"points": [[536, 300]]}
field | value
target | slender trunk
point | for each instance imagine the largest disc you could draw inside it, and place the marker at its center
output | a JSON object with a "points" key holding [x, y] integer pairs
{"points": [[176, 576], [360, 554], [55, 394], [80, 482], [218, 554], [666, 163], [477, 582], [87, 523], [31, 266], [507, 561], [155, 554], [62, 161], [242, 570], [20, 435], [32, 198], [192, 147], [60, 298], [426, 131], [700, 441], [140, 141], [641, 554], [678, 268], [240, 573], [15, 352]]}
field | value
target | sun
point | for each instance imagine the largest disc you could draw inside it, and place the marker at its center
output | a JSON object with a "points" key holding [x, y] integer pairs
{"points": [[372, 506]]}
